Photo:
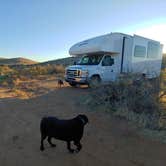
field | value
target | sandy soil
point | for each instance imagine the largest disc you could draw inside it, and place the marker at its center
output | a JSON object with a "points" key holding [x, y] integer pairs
{"points": [[107, 141]]}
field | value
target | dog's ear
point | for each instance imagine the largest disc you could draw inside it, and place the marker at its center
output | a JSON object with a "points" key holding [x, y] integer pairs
{"points": [[83, 118]]}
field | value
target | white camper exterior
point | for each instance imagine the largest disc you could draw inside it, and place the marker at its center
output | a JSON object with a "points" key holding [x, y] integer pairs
{"points": [[105, 57]]}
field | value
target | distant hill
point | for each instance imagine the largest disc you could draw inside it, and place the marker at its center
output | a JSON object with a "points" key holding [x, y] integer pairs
{"points": [[16, 61], [64, 61], [2, 58], [23, 61]]}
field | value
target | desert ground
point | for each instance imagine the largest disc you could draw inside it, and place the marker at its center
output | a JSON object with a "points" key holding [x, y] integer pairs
{"points": [[107, 140]]}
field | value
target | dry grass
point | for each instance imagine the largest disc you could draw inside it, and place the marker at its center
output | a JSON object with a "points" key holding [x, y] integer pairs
{"points": [[135, 100], [42, 70], [26, 81], [20, 93]]}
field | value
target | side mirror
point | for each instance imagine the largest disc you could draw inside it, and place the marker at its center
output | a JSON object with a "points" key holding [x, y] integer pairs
{"points": [[75, 63]]}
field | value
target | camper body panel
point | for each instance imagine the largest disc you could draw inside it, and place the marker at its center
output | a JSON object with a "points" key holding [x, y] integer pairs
{"points": [[149, 62], [109, 43]]}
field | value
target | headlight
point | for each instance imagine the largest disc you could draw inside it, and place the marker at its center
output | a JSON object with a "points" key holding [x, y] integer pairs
{"points": [[84, 73]]}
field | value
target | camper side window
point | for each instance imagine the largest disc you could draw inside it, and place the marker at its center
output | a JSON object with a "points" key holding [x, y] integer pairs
{"points": [[107, 61], [139, 51], [153, 50]]}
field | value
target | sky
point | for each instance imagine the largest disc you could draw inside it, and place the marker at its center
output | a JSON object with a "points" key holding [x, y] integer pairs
{"points": [[44, 30]]}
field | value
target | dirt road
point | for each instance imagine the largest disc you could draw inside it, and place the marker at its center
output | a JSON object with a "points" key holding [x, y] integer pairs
{"points": [[107, 141]]}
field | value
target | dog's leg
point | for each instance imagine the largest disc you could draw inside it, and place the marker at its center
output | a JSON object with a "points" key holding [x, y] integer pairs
{"points": [[49, 141], [43, 137], [78, 144], [69, 147]]}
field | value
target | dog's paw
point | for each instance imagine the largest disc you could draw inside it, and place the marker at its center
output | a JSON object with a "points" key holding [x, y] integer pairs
{"points": [[76, 151], [53, 145], [71, 150], [41, 149]]}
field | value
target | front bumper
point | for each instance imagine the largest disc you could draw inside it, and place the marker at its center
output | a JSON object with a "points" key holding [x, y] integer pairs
{"points": [[77, 80]]}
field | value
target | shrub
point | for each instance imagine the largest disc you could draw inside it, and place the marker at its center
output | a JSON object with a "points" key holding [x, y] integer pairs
{"points": [[6, 70], [134, 99], [41, 70]]}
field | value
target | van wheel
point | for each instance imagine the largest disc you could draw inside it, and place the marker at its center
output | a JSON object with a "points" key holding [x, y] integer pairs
{"points": [[72, 84], [95, 81]]}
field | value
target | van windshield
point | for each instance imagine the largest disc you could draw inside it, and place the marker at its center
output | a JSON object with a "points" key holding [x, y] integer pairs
{"points": [[93, 59]]}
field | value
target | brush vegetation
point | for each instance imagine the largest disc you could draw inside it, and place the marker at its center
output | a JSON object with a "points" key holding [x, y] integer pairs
{"points": [[134, 98], [18, 78]]}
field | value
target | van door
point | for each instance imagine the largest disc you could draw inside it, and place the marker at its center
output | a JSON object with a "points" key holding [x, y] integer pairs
{"points": [[108, 68]]}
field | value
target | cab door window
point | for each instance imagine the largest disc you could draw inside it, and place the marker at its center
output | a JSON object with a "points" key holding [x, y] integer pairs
{"points": [[107, 61]]}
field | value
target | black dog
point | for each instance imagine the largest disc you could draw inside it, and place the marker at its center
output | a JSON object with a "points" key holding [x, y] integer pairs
{"points": [[65, 130], [60, 83]]}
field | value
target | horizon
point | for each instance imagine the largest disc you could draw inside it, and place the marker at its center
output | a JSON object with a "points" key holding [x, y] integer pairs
{"points": [[44, 31]]}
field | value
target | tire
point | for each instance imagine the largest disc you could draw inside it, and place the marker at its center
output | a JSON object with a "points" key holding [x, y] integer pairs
{"points": [[95, 81], [72, 84]]}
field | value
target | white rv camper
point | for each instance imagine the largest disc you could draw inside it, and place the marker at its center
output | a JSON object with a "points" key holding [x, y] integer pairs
{"points": [[105, 57]]}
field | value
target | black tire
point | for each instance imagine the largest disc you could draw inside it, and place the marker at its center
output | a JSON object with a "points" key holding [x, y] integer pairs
{"points": [[94, 82], [72, 84]]}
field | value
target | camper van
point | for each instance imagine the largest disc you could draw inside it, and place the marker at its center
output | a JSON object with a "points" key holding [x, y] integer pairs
{"points": [[104, 58]]}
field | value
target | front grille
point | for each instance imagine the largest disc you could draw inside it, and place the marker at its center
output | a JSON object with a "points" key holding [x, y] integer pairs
{"points": [[72, 73]]}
